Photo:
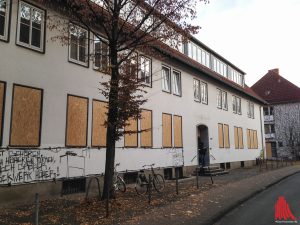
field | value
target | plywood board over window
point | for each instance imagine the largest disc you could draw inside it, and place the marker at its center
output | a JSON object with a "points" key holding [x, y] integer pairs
{"points": [[77, 121], [167, 130], [221, 135], [255, 144], [226, 136], [249, 139], [26, 116], [2, 105], [98, 127], [236, 137], [178, 132], [146, 128], [131, 139], [241, 140]]}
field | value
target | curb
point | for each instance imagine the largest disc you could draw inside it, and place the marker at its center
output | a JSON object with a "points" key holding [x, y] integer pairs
{"points": [[224, 212]]}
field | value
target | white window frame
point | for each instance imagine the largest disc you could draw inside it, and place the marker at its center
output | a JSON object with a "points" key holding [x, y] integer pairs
{"points": [[164, 81], [142, 69], [101, 40], [77, 61], [196, 85], [219, 98], [250, 112], [204, 92], [42, 38], [4, 37], [237, 105], [177, 87], [224, 103]]}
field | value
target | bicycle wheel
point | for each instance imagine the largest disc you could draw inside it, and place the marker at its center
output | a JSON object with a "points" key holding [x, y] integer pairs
{"points": [[158, 182], [121, 186], [140, 186]]}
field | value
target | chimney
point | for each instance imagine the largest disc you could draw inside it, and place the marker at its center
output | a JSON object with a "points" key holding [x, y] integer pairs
{"points": [[275, 71]]}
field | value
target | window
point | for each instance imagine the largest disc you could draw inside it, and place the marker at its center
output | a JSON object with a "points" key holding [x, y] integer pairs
{"points": [[177, 131], [4, 19], [197, 90], [166, 130], [204, 93], [237, 105], [98, 127], [166, 79], [222, 101], [176, 83], [226, 136], [131, 139], [31, 27], [26, 116], [78, 45], [250, 112], [146, 128], [221, 135], [2, 106], [238, 138], [252, 139], [145, 70], [101, 52], [77, 121]]}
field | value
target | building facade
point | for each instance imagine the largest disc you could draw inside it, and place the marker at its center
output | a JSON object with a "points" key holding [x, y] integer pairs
{"points": [[281, 115], [52, 111]]}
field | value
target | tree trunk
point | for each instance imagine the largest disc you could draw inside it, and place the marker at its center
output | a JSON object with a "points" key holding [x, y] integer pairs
{"points": [[112, 111]]}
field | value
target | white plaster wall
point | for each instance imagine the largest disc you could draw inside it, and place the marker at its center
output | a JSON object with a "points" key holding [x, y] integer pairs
{"points": [[53, 73]]}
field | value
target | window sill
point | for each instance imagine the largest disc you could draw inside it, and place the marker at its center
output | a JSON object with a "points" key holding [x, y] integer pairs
{"points": [[24, 45], [86, 65]]}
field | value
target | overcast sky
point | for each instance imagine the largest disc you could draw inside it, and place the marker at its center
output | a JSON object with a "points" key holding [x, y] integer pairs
{"points": [[255, 35]]}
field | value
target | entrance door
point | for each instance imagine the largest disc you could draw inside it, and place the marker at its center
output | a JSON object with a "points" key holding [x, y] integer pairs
{"points": [[269, 150], [203, 145]]}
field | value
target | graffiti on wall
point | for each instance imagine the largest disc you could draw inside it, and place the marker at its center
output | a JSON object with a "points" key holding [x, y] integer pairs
{"points": [[21, 166]]}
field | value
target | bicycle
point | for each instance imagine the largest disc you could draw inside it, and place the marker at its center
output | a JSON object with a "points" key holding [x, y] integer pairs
{"points": [[119, 183], [142, 183]]}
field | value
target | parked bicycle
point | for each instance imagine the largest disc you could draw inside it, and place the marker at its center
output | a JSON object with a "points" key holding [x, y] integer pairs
{"points": [[119, 183], [142, 182]]}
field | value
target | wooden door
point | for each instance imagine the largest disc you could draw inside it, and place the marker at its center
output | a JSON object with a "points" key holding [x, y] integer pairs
{"points": [[269, 150]]}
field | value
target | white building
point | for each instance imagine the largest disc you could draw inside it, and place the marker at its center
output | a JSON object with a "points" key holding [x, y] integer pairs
{"points": [[52, 111]]}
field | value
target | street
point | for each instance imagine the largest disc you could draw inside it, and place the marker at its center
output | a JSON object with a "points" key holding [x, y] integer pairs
{"points": [[260, 210]]}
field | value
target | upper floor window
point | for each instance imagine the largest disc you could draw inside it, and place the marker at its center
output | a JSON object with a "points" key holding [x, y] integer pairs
{"points": [[237, 105], [4, 18], [176, 83], [197, 90], [31, 27], [268, 111], [250, 112], [222, 101], [204, 93], [166, 79], [219, 67], [78, 45], [145, 73], [236, 76], [101, 52]]}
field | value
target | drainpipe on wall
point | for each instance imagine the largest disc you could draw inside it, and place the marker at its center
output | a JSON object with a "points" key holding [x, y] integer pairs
{"points": [[262, 133]]}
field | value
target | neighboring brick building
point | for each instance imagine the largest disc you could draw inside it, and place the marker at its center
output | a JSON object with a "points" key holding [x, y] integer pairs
{"points": [[282, 115]]}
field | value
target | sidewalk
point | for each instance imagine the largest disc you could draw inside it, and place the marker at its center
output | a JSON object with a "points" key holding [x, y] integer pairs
{"points": [[192, 206], [211, 205]]}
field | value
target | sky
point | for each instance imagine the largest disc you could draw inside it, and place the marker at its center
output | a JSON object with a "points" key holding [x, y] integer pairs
{"points": [[254, 35]]}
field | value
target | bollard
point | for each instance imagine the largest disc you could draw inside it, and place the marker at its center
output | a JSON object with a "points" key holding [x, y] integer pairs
{"points": [[149, 189], [37, 206], [176, 172], [197, 177]]}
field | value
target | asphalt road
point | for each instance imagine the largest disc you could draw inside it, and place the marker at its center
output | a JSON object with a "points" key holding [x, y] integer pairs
{"points": [[260, 210]]}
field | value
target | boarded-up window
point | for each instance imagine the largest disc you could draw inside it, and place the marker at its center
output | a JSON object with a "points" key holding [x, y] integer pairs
{"points": [[26, 116], [77, 121], [255, 144], [146, 128], [226, 136], [248, 139], [131, 139], [236, 137], [221, 135], [167, 130], [241, 140], [2, 102], [178, 132], [99, 119], [251, 139]]}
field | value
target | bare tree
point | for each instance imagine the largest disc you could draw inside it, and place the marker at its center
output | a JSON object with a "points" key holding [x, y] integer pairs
{"points": [[130, 26]]}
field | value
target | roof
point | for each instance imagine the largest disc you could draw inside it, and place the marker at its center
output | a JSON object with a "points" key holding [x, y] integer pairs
{"points": [[275, 89], [172, 53]]}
